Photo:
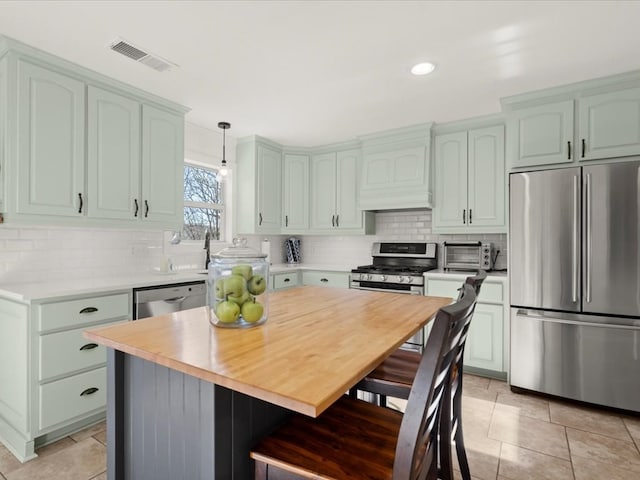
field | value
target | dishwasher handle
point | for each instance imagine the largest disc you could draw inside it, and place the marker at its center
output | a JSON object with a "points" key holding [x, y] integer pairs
{"points": [[175, 299]]}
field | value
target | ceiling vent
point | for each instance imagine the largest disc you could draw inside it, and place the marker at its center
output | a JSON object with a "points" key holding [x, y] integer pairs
{"points": [[139, 55]]}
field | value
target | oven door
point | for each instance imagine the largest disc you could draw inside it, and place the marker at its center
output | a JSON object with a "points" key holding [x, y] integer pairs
{"points": [[387, 287]]}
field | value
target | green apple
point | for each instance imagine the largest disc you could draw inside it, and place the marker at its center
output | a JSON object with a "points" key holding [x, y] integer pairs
{"points": [[257, 285], [252, 311], [243, 270], [219, 288], [227, 312], [240, 299], [235, 285]]}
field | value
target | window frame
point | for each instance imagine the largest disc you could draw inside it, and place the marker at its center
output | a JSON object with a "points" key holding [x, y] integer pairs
{"points": [[221, 207]]}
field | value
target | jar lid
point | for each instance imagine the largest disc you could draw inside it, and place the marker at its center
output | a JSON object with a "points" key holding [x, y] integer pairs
{"points": [[239, 249]]}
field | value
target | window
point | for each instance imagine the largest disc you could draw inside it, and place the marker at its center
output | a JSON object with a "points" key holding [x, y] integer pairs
{"points": [[203, 203]]}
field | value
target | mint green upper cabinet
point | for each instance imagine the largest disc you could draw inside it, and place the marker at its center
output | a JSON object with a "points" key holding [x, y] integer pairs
{"points": [[258, 186], [113, 160], [450, 180], [542, 135], [3, 120], [609, 124], [323, 191], [162, 166], [348, 215], [470, 181], [334, 194], [295, 200], [50, 159]]}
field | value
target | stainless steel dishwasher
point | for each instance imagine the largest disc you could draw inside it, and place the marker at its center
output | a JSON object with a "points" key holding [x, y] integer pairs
{"points": [[152, 301]]}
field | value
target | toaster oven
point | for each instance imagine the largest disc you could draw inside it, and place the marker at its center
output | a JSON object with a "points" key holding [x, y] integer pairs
{"points": [[467, 255]]}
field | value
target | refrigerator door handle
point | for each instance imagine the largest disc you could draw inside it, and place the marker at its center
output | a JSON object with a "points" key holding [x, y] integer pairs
{"points": [[524, 313], [588, 238], [574, 262]]}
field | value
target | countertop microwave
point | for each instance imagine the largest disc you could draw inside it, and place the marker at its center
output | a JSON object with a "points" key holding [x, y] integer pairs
{"points": [[467, 255]]}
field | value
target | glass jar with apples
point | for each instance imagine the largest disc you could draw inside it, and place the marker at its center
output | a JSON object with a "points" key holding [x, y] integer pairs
{"points": [[238, 281]]}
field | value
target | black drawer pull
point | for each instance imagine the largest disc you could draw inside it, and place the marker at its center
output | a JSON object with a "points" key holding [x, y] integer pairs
{"points": [[89, 310], [89, 391], [324, 280], [287, 280], [89, 346]]}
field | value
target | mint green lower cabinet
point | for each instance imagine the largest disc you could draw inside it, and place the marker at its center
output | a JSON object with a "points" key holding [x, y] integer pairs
{"points": [[53, 379], [280, 281], [325, 279], [485, 347], [485, 342]]}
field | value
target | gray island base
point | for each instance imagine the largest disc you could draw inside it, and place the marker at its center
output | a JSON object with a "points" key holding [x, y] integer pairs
{"points": [[166, 425]]}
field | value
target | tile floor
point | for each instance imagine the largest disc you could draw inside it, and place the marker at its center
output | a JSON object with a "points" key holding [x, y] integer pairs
{"points": [[507, 436]]}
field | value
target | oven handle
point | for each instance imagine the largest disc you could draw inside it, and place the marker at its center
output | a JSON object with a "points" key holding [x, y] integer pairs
{"points": [[387, 290]]}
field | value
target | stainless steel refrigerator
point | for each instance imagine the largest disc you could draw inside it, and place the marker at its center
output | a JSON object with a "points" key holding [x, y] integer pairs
{"points": [[575, 283]]}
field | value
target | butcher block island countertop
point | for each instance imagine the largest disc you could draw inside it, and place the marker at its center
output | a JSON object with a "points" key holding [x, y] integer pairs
{"points": [[316, 344]]}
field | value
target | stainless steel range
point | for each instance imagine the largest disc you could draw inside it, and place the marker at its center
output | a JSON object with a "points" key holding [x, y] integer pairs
{"points": [[397, 267]]}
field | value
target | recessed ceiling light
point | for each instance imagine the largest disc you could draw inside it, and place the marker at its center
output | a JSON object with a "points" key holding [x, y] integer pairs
{"points": [[423, 68]]}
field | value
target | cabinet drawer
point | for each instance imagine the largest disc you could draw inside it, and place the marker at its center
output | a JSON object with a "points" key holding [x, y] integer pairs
{"points": [[73, 313], [285, 280], [326, 279], [490, 292], [72, 397], [68, 351]]}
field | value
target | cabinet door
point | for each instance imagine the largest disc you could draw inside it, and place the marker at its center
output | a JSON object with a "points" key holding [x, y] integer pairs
{"points": [[50, 142], [486, 182], [162, 166], [609, 124], [323, 191], [451, 180], [347, 213], [543, 135], [3, 122], [484, 345], [295, 202], [269, 189], [113, 160]]}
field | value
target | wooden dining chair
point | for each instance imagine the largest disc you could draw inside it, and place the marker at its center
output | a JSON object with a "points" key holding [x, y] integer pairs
{"points": [[354, 439], [396, 374]]}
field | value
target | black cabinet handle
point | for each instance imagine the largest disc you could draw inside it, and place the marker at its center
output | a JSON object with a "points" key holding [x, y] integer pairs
{"points": [[81, 203], [135, 202], [259, 219], [568, 150], [89, 310], [584, 147], [89, 391], [470, 216], [337, 220], [333, 220], [464, 216], [324, 280], [287, 280], [286, 220], [89, 346], [146, 209]]}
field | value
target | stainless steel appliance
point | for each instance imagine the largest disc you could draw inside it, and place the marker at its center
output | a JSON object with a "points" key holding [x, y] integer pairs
{"points": [[398, 268], [575, 283], [152, 301], [468, 256]]}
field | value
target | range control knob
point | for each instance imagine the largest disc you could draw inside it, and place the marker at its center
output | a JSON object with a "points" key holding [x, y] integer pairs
{"points": [[409, 279], [364, 276], [383, 278], [400, 279]]}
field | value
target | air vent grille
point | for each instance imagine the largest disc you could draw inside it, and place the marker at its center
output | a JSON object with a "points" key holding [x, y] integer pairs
{"points": [[139, 55]]}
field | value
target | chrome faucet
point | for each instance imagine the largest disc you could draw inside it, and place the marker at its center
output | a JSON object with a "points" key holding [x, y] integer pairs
{"points": [[207, 239]]}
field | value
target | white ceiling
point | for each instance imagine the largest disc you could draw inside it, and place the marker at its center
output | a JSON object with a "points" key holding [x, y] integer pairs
{"points": [[315, 72]]}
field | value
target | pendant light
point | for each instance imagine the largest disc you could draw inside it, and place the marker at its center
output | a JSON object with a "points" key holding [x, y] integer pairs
{"points": [[224, 126]]}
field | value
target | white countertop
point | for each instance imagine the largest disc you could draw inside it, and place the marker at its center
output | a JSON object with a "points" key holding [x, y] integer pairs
{"points": [[54, 289]]}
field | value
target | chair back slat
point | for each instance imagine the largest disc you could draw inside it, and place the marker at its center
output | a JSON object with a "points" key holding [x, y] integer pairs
{"points": [[417, 447]]}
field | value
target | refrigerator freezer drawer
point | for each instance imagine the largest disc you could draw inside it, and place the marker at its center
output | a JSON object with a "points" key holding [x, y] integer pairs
{"points": [[577, 359]]}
